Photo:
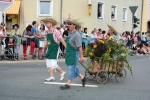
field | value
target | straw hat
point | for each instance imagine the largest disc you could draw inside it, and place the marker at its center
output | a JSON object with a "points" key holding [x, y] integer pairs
{"points": [[53, 21], [75, 22], [113, 29]]}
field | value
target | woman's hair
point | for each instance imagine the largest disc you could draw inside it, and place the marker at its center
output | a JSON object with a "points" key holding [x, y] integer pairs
{"points": [[29, 28], [43, 26], [103, 32], [99, 29], [16, 26], [1, 26], [98, 32], [123, 33], [58, 28], [3, 23], [85, 29], [93, 31]]}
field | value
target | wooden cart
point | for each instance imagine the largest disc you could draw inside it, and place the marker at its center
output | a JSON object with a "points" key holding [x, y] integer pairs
{"points": [[105, 69]]}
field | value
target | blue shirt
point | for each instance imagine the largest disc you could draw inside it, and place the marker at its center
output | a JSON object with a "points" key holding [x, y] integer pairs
{"points": [[35, 32]]}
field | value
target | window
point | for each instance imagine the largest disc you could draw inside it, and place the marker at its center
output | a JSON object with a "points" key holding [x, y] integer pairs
{"points": [[100, 10], [45, 8], [113, 12], [124, 14]]}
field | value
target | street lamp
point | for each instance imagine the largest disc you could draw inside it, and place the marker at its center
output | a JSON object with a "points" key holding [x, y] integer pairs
{"points": [[89, 7]]}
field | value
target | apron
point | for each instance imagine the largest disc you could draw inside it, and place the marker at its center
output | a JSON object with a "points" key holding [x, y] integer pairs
{"points": [[70, 52], [52, 47]]}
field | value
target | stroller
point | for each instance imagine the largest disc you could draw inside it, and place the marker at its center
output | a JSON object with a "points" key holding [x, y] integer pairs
{"points": [[10, 50]]}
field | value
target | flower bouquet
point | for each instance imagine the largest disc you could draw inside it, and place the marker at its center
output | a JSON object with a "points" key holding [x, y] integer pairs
{"points": [[107, 55]]}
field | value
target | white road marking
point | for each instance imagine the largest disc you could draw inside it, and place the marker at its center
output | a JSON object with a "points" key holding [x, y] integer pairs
{"points": [[57, 83]]}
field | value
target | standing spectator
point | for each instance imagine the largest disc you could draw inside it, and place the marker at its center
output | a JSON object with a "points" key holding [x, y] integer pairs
{"points": [[129, 40], [104, 34], [95, 30], [143, 38], [148, 38], [28, 35], [5, 34], [62, 29], [42, 34], [139, 37], [85, 32], [99, 35], [17, 33], [123, 39], [92, 37], [42, 22], [65, 34], [1, 37], [36, 40]]}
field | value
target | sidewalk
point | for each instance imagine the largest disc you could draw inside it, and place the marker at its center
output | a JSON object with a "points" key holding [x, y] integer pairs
{"points": [[22, 61]]}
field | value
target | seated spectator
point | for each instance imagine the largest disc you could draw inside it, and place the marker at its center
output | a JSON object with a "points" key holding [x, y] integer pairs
{"points": [[11, 45]]}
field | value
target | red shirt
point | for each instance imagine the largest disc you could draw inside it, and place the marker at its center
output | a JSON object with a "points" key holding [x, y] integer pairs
{"points": [[10, 43]]}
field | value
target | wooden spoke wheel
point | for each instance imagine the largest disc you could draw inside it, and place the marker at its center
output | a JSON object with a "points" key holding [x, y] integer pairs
{"points": [[89, 75], [102, 77], [120, 75]]}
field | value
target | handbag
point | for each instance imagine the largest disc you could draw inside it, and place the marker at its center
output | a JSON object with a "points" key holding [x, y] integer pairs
{"points": [[25, 41]]}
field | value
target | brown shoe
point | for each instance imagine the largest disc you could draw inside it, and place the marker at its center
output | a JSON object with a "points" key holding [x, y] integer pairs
{"points": [[83, 81]]}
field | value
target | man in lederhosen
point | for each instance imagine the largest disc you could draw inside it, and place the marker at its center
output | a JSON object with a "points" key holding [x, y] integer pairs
{"points": [[52, 40], [73, 53]]}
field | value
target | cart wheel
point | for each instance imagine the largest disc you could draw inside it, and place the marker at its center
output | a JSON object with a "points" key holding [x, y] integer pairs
{"points": [[120, 75], [102, 77], [89, 76], [110, 75]]}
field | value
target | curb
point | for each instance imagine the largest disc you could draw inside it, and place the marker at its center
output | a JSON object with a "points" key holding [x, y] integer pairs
{"points": [[27, 61]]}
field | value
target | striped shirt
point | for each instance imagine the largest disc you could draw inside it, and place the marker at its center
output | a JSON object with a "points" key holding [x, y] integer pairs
{"points": [[56, 35]]}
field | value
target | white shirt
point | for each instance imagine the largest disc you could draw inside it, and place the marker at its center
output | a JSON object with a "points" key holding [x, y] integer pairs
{"points": [[1, 33], [62, 31]]}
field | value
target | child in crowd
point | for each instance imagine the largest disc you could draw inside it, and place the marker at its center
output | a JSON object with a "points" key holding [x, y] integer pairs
{"points": [[11, 45]]}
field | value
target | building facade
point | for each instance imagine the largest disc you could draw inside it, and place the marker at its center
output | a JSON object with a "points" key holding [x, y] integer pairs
{"points": [[103, 12], [146, 16], [115, 13]]}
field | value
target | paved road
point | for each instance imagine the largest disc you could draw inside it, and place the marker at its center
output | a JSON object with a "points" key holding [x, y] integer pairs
{"points": [[26, 82]]}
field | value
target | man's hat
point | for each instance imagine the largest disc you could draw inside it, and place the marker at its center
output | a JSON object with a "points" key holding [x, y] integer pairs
{"points": [[53, 21], [75, 22], [113, 29]]}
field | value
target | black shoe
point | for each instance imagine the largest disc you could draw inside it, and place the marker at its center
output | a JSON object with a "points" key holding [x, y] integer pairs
{"points": [[65, 87], [83, 81], [25, 59], [34, 57]]}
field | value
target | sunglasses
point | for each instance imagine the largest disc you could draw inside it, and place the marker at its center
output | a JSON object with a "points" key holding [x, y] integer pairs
{"points": [[70, 24]]}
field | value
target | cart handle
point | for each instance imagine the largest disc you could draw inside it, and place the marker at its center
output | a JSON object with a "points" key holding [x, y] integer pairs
{"points": [[82, 64]]}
